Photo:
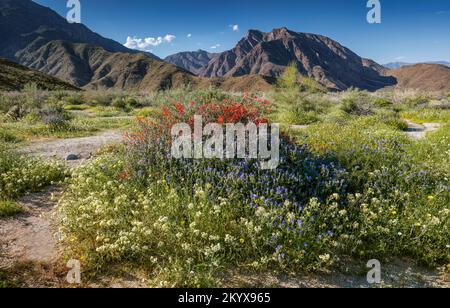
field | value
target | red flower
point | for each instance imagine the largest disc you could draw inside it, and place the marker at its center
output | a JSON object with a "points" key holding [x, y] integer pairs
{"points": [[180, 108], [165, 111]]}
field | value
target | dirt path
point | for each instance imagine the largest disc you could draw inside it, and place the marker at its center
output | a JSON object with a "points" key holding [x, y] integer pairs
{"points": [[396, 274], [81, 148], [32, 237], [419, 132]]}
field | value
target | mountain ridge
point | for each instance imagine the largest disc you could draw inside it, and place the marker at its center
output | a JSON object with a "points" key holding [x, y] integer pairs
{"points": [[317, 56], [39, 38], [14, 77], [193, 61], [422, 76], [395, 65]]}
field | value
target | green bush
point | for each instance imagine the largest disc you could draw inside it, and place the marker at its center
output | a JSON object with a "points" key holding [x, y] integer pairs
{"points": [[9, 208], [289, 80], [417, 101], [99, 98], [147, 112], [357, 103], [132, 102], [8, 137], [76, 107], [119, 103], [74, 98], [382, 103]]}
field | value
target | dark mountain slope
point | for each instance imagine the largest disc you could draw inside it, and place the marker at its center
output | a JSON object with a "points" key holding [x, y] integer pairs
{"points": [[193, 61], [13, 77]]}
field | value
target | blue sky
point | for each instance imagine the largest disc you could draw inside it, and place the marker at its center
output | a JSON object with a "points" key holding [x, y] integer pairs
{"points": [[411, 31]]}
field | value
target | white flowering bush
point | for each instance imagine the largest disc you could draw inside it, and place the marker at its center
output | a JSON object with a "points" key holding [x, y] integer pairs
{"points": [[187, 235], [20, 175]]}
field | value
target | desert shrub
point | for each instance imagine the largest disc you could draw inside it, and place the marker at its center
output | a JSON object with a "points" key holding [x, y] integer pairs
{"points": [[5, 102], [17, 112], [119, 102], [147, 112], [434, 151], [310, 85], [289, 80], [100, 97], [76, 107], [54, 115], [73, 98], [382, 103], [298, 108], [108, 112], [210, 94], [34, 96], [14, 105], [426, 115], [132, 102], [8, 137], [390, 118], [442, 104], [357, 103], [9, 208], [417, 101], [20, 175]]}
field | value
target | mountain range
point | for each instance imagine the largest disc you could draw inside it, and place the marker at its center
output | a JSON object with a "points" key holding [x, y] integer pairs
{"points": [[396, 65], [268, 54], [194, 61], [428, 77], [38, 38]]}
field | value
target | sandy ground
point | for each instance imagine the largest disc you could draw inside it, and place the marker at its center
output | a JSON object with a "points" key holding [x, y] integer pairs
{"points": [[419, 132], [31, 236], [83, 148], [396, 274]]}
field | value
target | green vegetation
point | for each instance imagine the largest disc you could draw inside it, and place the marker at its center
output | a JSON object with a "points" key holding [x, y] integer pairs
{"points": [[368, 192], [9, 208], [20, 175], [351, 185], [15, 77]]}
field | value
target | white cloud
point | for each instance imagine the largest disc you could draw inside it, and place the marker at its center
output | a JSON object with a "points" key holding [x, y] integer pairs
{"points": [[169, 38], [146, 43], [189, 35], [234, 27], [215, 46], [400, 58]]}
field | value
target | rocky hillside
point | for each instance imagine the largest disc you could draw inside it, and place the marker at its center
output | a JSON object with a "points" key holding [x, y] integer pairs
{"points": [[14, 77], [39, 38], [26, 25], [93, 67], [316, 56], [426, 77], [193, 61]]}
